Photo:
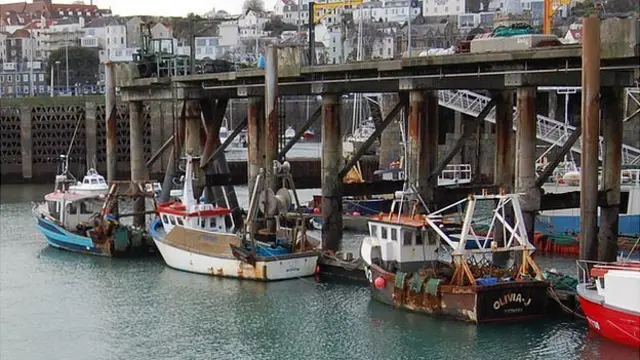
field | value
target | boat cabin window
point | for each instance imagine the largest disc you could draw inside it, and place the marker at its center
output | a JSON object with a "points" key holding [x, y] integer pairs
{"points": [[101, 181], [53, 208], [384, 232], [71, 209], [94, 181], [85, 181], [164, 219], [212, 222], [374, 230], [394, 234], [407, 239], [203, 222], [180, 221], [418, 238], [85, 208], [172, 220]]}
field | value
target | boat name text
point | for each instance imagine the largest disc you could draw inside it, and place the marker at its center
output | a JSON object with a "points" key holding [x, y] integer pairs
{"points": [[511, 298]]}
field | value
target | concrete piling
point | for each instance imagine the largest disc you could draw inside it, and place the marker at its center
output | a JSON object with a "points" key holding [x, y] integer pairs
{"points": [[526, 157], [331, 166], [590, 138], [138, 168], [613, 99]]}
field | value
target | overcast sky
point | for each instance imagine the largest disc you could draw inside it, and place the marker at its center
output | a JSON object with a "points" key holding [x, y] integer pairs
{"points": [[164, 7]]}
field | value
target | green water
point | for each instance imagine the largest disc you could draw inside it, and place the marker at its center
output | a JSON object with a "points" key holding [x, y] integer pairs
{"points": [[59, 305]]}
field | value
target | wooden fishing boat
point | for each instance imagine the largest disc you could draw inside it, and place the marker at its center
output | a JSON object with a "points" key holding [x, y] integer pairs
{"points": [[415, 262], [202, 238]]}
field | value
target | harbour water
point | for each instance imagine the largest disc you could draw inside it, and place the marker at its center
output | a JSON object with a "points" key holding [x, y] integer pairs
{"points": [[60, 305]]}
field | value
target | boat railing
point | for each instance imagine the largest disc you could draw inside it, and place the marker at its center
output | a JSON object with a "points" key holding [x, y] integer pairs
{"points": [[456, 172], [584, 267]]}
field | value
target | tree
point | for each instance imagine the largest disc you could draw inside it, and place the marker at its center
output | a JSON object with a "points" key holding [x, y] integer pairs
{"points": [[276, 26], [83, 65], [255, 5]]}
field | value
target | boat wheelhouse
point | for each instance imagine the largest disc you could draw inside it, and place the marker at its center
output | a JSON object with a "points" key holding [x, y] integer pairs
{"points": [[425, 263]]}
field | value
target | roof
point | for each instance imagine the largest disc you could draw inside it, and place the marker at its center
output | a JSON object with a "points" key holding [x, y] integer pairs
{"points": [[20, 34]]}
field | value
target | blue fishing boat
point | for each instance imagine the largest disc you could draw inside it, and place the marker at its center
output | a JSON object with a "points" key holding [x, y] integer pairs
{"points": [[81, 221]]}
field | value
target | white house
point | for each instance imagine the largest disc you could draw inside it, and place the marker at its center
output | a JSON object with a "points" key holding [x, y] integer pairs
{"points": [[443, 7], [387, 11], [251, 24], [281, 5], [161, 31], [3, 46], [207, 47], [229, 34]]}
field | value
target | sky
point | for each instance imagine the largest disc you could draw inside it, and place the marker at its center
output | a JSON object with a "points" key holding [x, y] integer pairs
{"points": [[164, 7]]}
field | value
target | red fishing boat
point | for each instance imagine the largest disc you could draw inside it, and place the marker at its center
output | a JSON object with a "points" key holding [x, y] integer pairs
{"points": [[610, 298]]}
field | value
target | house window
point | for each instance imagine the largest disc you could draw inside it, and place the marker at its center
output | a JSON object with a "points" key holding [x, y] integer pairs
{"points": [[1, 78], [25, 89], [25, 77], [41, 88], [121, 40], [9, 78]]}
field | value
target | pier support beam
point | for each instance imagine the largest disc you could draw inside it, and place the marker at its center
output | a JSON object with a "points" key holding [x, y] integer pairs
{"points": [[26, 142], [110, 116], [611, 169], [90, 133], [138, 168], [272, 132], [590, 138], [331, 166], [504, 165], [255, 136], [526, 157], [192, 144]]}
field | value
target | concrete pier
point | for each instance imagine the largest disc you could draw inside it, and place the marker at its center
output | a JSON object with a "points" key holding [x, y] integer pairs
{"points": [[415, 124], [331, 166], [428, 140], [272, 131]]}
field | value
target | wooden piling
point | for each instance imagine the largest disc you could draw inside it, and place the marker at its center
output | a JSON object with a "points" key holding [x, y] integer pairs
{"points": [[272, 132], [111, 117], [504, 165], [611, 173], [590, 138], [331, 166]]}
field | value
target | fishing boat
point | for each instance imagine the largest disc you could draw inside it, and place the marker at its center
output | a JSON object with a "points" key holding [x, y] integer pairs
{"points": [[419, 263], [201, 238], [354, 141], [566, 222], [308, 134], [609, 297], [74, 218]]}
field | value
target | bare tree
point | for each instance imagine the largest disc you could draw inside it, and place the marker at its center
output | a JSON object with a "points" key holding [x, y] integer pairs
{"points": [[255, 5]]}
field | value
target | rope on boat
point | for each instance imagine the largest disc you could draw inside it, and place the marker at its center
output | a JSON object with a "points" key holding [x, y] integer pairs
{"points": [[554, 296]]}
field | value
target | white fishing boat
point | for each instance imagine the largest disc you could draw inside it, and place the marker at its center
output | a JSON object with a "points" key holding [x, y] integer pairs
{"points": [[290, 133], [93, 184], [202, 238]]}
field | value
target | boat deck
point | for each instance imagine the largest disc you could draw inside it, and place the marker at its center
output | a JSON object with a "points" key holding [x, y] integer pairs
{"points": [[196, 241]]}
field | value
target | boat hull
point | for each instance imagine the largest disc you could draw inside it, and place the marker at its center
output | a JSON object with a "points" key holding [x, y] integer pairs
{"points": [[282, 267], [513, 301], [121, 244], [613, 324], [628, 224], [61, 238]]}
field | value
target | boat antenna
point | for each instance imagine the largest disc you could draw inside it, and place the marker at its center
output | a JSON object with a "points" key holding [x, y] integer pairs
{"points": [[66, 160]]}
